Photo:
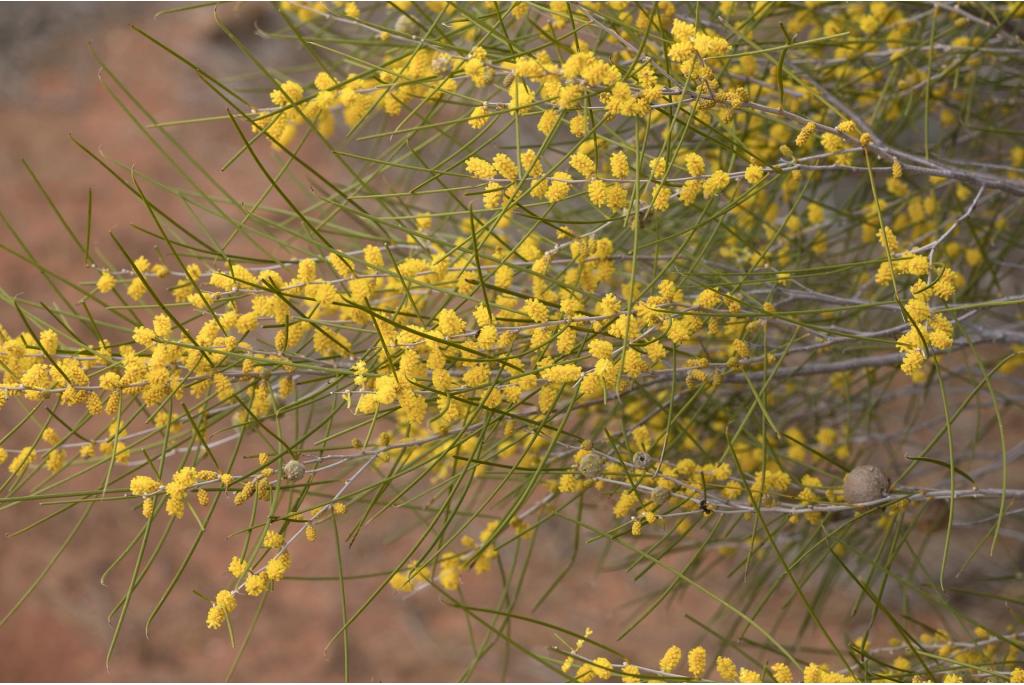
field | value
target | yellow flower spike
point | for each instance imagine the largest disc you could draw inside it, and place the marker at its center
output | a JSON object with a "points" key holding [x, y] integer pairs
{"points": [[726, 669], [256, 584], [106, 282], [273, 539], [668, 662], [749, 676], [697, 661], [237, 567]]}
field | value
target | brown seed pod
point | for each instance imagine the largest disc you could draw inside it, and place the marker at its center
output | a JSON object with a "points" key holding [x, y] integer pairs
{"points": [[293, 470], [865, 483], [591, 465], [642, 460]]}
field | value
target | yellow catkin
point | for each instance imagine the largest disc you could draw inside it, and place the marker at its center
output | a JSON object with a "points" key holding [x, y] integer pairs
{"points": [[697, 661], [673, 655]]}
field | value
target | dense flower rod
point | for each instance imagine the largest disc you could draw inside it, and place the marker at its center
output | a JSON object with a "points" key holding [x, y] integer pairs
{"points": [[663, 271]]}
